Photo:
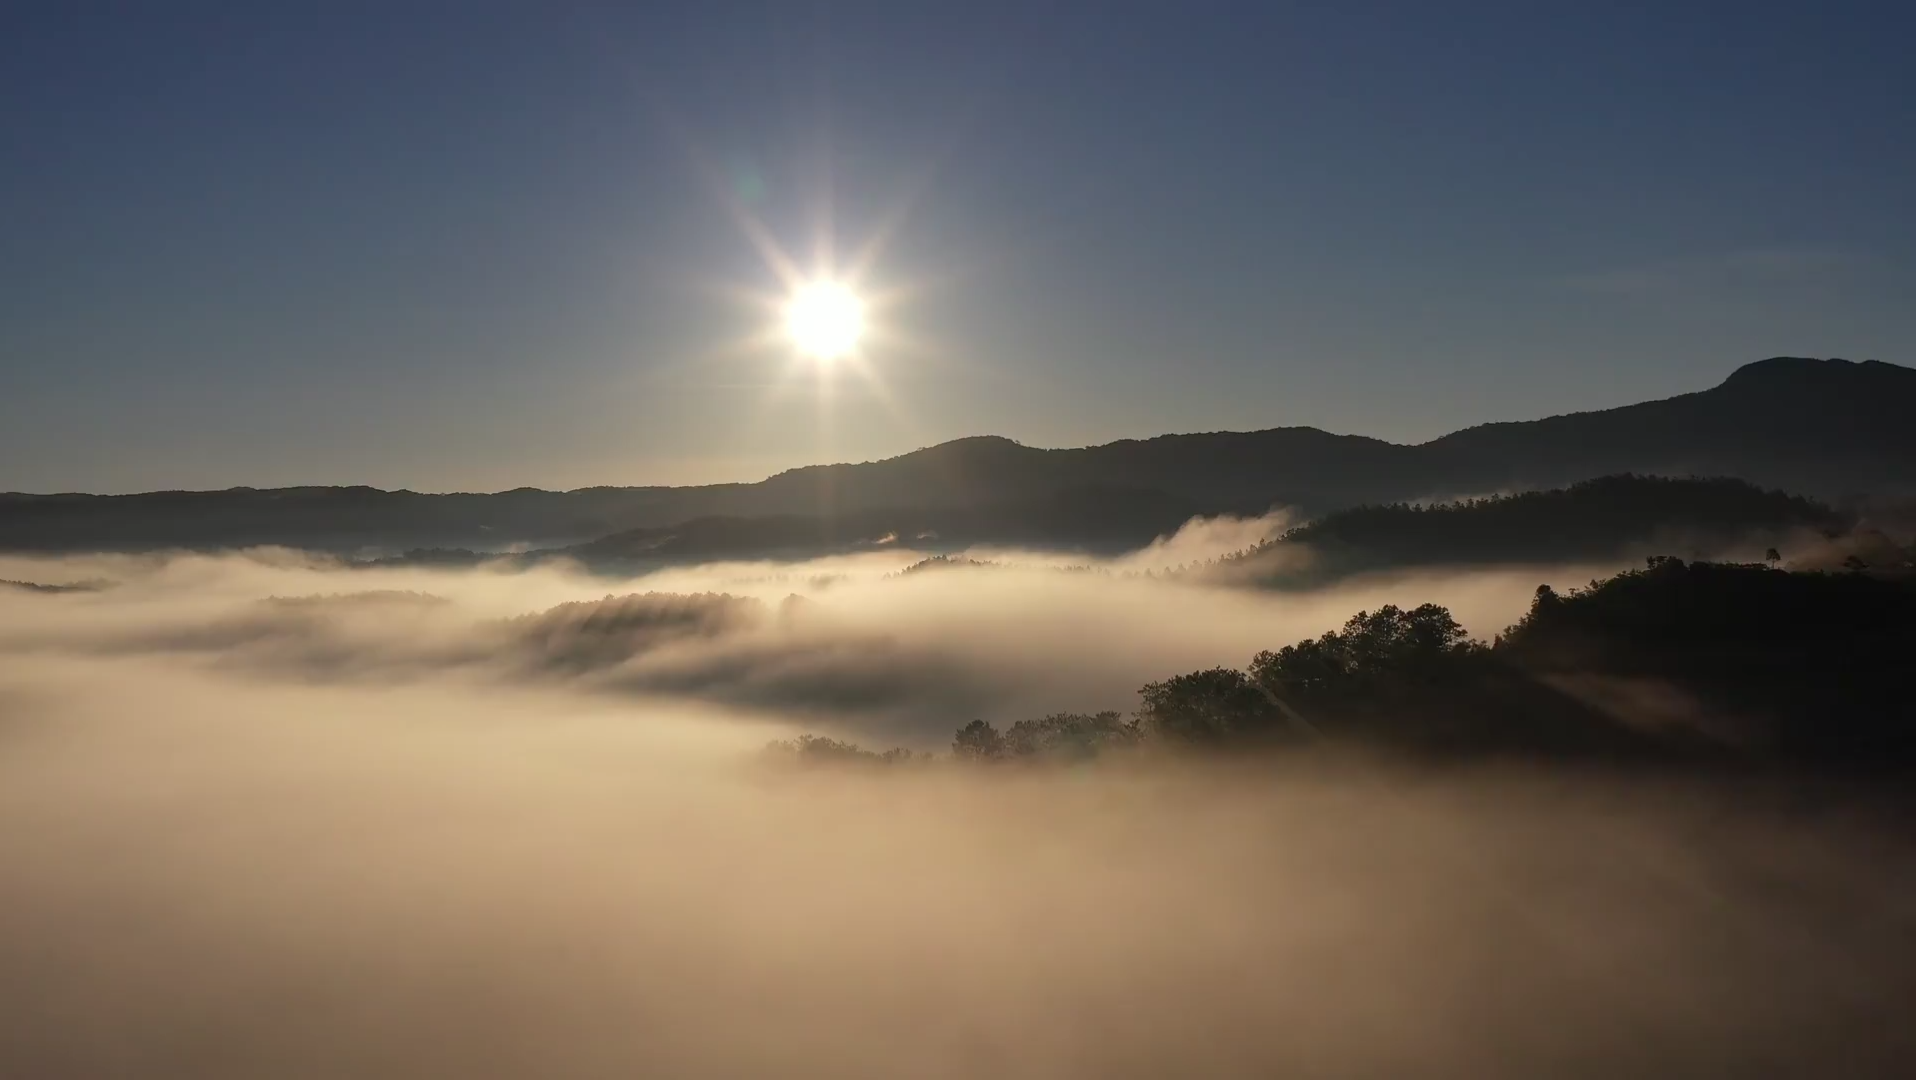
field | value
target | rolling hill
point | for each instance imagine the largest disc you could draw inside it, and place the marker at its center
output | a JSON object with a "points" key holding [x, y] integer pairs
{"points": [[1602, 518], [1830, 428]]}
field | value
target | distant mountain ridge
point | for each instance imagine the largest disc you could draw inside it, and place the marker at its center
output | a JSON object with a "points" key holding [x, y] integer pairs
{"points": [[1831, 428], [1823, 427], [1601, 518]]}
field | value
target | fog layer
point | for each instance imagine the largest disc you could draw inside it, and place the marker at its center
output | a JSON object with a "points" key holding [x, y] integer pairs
{"points": [[849, 644], [474, 836]]}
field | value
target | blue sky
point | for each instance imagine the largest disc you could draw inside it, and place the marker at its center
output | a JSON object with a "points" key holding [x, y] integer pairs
{"points": [[470, 246]]}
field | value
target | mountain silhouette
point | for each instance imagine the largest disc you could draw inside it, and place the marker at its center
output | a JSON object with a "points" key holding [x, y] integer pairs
{"points": [[1822, 427], [1601, 518], [1830, 428], [1108, 519]]}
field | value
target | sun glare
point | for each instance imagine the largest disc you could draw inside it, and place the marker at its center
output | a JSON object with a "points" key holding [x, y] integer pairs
{"points": [[824, 320]]}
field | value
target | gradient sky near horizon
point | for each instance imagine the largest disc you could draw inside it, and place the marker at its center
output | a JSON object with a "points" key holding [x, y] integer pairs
{"points": [[471, 246]]}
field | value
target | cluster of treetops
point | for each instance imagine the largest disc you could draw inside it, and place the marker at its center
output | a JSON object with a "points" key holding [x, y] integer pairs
{"points": [[1690, 661]]}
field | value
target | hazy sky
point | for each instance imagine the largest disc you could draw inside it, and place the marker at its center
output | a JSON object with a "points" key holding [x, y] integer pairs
{"points": [[473, 246]]}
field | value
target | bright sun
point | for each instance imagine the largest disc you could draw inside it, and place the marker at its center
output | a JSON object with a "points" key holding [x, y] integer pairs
{"points": [[825, 320]]}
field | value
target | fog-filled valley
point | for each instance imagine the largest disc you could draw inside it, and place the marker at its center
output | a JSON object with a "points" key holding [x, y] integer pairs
{"points": [[989, 540], [885, 645], [271, 813]]}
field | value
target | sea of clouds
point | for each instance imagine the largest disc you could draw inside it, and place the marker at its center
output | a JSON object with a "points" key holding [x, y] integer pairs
{"points": [[262, 814]]}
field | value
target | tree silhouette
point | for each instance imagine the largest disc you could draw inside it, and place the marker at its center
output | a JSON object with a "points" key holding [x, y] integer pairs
{"points": [[1210, 706], [978, 741], [1374, 649], [1068, 736], [1789, 667], [819, 750]]}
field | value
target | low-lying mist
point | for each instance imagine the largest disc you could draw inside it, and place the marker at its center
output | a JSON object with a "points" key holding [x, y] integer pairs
{"points": [[850, 644], [261, 815]]}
